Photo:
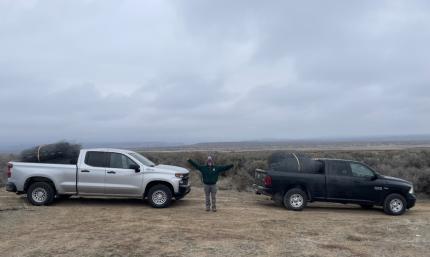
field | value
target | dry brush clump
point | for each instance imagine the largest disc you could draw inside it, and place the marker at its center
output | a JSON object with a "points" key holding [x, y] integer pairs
{"points": [[60, 152], [238, 178], [409, 164], [4, 159]]}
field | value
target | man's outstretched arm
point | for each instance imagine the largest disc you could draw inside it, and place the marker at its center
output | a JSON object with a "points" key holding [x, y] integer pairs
{"points": [[194, 164], [225, 168]]}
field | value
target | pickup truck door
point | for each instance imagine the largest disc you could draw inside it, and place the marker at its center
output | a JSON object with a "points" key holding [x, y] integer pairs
{"points": [[91, 173], [120, 179], [338, 180], [366, 187]]}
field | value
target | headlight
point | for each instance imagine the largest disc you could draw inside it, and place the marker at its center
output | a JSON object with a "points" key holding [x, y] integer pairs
{"points": [[179, 175], [411, 191]]}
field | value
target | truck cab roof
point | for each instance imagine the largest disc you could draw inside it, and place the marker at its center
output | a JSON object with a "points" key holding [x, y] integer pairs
{"points": [[333, 159], [107, 150]]}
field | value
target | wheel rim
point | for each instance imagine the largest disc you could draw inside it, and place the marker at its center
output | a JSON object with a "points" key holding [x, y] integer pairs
{"points": [[39, 195], [159, 197], [296, 200], [396, 205]]}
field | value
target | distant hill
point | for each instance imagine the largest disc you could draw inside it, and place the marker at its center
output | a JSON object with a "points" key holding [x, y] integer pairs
{"points": [[383, 143]]}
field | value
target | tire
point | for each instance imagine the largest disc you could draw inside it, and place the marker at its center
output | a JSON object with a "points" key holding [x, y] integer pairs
{"points": [[295, 199], [160, 196], [394, 204], [366, 206], [40, 193]]}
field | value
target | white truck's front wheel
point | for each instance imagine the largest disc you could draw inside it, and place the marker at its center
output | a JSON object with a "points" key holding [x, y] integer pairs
{"points": [[160, 196], [40, 193]]}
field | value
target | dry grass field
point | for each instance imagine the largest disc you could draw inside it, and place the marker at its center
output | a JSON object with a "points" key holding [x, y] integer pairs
{"points": [[245, 225]]}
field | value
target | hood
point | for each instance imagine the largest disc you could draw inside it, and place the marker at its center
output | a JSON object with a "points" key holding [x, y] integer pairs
{"points": [[171, 168], [396, 179]]}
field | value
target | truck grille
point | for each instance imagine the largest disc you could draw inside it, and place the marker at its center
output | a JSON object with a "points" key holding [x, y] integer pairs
{"points": [[184, 180]]}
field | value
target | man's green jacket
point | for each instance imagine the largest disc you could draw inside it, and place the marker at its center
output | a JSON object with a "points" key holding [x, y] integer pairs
{"points": [[210, 173]]}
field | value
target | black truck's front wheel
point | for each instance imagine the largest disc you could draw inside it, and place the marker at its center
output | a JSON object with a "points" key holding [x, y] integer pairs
{"points": [[394, 204], [295, 199]]}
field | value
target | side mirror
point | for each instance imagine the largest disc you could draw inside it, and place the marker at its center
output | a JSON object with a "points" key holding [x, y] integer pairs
{"points": [[134, 167], [375, 177]]}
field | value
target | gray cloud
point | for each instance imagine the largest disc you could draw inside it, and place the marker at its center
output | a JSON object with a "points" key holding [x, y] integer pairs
{"points": [[212, 70]]}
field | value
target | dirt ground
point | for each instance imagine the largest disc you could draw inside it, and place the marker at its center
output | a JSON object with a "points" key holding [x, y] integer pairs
{"points": [[245, 225]]}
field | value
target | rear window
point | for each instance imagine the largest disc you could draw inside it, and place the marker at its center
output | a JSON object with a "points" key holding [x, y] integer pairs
{"points": [[312, 166], [339, 168], [96, 159]]}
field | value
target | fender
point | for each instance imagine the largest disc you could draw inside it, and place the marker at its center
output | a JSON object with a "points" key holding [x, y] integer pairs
{"points": [[173, 181], [37, 177]]}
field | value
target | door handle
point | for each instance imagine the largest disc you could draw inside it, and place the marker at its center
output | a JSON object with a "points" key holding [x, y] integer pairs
{"points": [[85, 171], [111, 172]]}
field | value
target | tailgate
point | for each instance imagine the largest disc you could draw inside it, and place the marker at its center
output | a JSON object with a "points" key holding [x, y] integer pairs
{"points": [[259, 181], [259, 177]]}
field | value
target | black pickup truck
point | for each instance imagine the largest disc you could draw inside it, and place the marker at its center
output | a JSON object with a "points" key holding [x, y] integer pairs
{"points": [[332, 180]]}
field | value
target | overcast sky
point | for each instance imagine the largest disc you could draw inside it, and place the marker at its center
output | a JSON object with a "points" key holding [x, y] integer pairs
{"points": [[191, 71]]}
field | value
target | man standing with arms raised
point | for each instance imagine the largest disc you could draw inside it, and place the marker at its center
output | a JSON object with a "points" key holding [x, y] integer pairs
{"points": [[210, 174]]}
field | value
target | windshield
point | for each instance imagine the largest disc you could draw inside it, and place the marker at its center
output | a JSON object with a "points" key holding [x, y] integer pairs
{"points": [[142, 159]]}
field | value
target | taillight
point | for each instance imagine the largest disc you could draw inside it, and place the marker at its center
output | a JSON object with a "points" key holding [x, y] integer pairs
{"points": [[9, 170], [267, 180]]}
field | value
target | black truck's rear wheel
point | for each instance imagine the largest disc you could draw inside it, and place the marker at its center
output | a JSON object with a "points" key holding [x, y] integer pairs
{"points": [[295, 199], [40, 193], [394, 204]]}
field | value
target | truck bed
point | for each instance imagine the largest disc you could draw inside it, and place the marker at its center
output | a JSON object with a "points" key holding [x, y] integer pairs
{"points": [[63, 175]]}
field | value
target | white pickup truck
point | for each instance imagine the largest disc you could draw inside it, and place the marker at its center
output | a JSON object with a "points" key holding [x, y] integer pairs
{"points": [[99, 172]]}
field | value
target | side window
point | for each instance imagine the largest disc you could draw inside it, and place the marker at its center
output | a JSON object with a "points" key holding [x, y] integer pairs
{"points": [[359, 170], [96, 159], [339, 169], [120, 161], [319, 167]]}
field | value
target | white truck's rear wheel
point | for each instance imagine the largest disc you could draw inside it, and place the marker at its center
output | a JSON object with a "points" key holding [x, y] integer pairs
{"points": [[40, 193], [160, 196]]}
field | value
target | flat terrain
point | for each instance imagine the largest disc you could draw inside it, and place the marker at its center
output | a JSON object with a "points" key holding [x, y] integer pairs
{"points": [[245, 225]]}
